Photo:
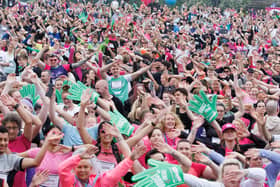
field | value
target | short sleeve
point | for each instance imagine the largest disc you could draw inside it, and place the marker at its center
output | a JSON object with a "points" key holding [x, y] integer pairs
{"points": [[33, 152], [93, 132], [128, 77], [199, 168], [67, 67], [15, 161]]}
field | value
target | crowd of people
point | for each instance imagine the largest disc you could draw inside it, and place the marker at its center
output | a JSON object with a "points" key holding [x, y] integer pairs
{"points": [[99, 94]]}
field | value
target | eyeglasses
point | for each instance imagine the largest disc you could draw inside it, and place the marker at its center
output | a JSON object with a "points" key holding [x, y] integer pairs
{"points": [[12, 128]]}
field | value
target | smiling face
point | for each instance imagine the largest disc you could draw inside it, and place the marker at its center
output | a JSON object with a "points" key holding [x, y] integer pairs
{"points": [[229, 135], [184, 148], [83, 170], [169, 122], [156, 136], [104, 137]]}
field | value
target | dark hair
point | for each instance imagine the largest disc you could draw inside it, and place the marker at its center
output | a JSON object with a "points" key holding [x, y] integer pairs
{"points": [[13, 118], [259, 101], [150, 153], [115, 149], [222, 105], [3, 129], [182, 90], [50, 128], [151, 133], [182, 141]]}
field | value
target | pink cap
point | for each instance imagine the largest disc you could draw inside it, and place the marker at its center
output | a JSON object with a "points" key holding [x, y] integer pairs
{"points": [[228, 126]]}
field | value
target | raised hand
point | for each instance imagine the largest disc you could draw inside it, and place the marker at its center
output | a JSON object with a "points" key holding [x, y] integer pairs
{"points": [[138, 152], [85, 98], [8, 100], [89, 152], [163, 147], [199, 157], [112, 130], [200, 148], [39, 178], [174, 133], [252, 153]]}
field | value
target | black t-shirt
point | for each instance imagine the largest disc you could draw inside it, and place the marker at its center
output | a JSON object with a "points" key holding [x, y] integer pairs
{"points": [[185, 119]]}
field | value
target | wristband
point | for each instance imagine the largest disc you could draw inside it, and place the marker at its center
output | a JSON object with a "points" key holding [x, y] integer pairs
{"points": [[153, 124], [16, 106], [95, 107], [73, 148]]}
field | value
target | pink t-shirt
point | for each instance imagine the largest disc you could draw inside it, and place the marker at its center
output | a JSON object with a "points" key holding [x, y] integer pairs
{"points": [[51, 160], [19, 145], [107, 155]]}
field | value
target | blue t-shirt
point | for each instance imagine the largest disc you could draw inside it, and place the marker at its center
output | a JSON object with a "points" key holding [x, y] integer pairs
{"points": [[72, 136]]}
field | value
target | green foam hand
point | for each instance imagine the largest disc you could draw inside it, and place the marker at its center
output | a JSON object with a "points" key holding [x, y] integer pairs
{"points": [[76, 91], [121, 123], [160, 175], [30, 92], [203, 106]]}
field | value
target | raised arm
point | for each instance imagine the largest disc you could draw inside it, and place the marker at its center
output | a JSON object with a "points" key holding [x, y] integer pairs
{"points": [[30, 162], [53, 117], [140, 72], [9, 101]]}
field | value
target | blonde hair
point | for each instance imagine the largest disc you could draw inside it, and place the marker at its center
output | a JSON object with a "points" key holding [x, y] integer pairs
{"points": [[178, 122], [228, 162]]}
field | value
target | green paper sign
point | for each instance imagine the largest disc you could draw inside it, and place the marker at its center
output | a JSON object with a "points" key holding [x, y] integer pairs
{"points": [[160, 175], [121, 123], [203, 106], [30, 92], [76, 91]]}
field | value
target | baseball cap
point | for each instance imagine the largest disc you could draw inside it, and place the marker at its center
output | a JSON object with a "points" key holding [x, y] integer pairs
{"points": [[228, 126]]}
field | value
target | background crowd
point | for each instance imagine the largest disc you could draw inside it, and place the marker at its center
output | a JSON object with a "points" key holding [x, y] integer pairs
{"points": [[96, 94]]}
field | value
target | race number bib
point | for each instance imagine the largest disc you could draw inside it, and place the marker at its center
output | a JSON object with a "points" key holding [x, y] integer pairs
{"points": [[103, 166], [53, 181]]}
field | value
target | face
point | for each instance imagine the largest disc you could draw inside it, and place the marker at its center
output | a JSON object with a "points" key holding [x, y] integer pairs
{"points": [[248, 85], [16, 96], [58, 84], [229, 135], [255, 162], [260, 108], [53, 61], [158, 157], [156, 136], [66, 101], [170, 122], [13, 130], [105, 138], [115, 71], [221, 112], [55, 131], [184, 148], [228, 181], [100, 88], [4, 140], [83, 170], [91, 75], [254, 92], [216, 85], [22, 61], [178, 96], [45, 77], [166, 99]]}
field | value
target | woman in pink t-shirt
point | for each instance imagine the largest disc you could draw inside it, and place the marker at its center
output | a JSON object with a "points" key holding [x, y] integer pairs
{"points": [[53, 157], [169, 125]]}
